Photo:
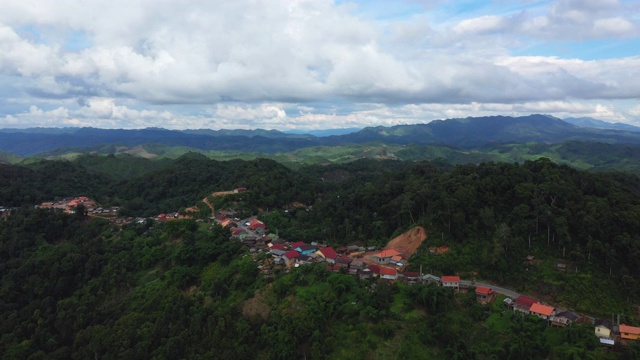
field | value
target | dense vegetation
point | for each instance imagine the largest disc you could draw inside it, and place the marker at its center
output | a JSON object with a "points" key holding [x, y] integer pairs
{"points": [[74, 287]]}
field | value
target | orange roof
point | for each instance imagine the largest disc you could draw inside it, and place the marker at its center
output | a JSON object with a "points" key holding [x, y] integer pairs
{"points": [[483, 290], [450, 279], [387, 253], [541, 309], [396, 258], [629, 329], [388, 271]]}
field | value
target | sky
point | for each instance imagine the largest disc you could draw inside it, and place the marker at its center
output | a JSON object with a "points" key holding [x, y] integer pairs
{"points": [[317, 64]]}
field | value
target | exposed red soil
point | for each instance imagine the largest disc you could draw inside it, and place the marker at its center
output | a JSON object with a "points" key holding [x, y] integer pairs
{"points": [[407, 244]]}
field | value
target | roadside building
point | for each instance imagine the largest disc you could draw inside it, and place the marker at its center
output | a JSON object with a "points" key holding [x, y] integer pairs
{"points": [[541, 311], [629, 332], [484, 294], [451, 281], [603, 328], [523, 304]]}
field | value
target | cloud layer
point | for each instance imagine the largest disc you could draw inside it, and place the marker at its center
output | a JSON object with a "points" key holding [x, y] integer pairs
{"points": [[310, 64]]}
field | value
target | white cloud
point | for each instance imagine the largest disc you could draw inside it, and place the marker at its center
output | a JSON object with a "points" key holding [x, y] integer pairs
{"points": [[246, 61]]}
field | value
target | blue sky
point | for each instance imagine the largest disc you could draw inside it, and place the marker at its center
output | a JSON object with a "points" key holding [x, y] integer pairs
{"points": [[314, 64]]}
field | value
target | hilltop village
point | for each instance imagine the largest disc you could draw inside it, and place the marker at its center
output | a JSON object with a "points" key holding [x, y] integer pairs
{"points": [[273, 253]]}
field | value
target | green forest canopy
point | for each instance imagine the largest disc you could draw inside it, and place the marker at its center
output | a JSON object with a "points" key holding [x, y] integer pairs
{"points": [[73, 287]]}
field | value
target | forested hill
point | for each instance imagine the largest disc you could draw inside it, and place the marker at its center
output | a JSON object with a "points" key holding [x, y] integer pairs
{"points": [[467, 133], [580, 213], [74, 287]]}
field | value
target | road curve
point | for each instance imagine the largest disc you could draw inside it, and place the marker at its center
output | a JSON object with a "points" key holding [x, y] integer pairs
{"points": [[498, 289]]}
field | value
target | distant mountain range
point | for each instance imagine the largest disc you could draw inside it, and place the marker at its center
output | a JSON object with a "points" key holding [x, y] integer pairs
{"points": [[471, 132], [599, 124]]}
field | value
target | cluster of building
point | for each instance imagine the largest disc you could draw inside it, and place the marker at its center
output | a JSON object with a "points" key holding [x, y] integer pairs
{"points": [[607, 333], [68, 205], [110, 211], [385, 264], [389, 264]]}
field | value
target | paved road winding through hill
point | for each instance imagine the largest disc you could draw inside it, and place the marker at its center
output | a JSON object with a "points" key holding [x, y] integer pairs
{"points": [[501, 290]]}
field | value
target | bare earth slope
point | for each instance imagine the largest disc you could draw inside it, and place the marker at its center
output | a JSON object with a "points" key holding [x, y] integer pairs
{"points": [[408, 242]]}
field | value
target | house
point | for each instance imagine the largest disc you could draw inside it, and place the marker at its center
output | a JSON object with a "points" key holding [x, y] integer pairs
{"points": [[450, 281], [296, 244], [256, 224], [484, 294], [290, 257], [603, 328], [541, 311], [523, 304], [303, 259], [343, 261], [384, 256], [329, 254], [356, 264], [305, 249], [430, 279], [563, 318], [375, 270], [365, 273], [396, 260], [388, 273], [585, 320], [334, 267], [352, 248], [277, 252], [278, 246], [629, 332], [315, 257], [411, 276]]}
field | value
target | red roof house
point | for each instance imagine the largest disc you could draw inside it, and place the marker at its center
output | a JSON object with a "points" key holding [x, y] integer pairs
{"points": [[328, 254], [334, 267], [411, 275], [523, 303], [278, 246], [484, 294], [290, 256], [628, 332], [484, 290], [450, 281], [542, 311], [388, 273], [297, 244], [374, 269]]}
